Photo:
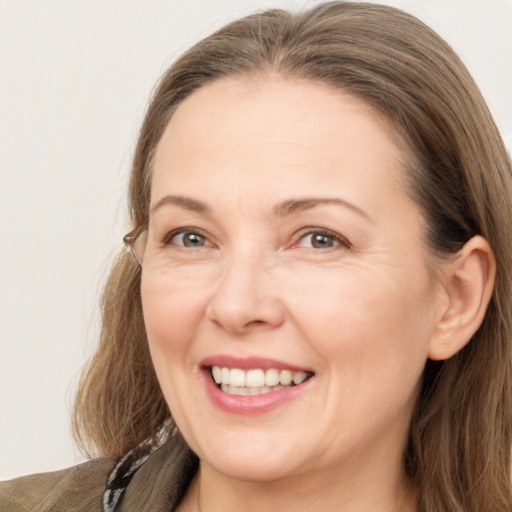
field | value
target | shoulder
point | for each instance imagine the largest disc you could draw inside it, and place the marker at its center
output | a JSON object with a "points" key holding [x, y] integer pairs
{"points": [[76, 489]]}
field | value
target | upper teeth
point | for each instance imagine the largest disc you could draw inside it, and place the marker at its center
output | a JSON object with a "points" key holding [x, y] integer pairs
{"points": [[256, 378]]}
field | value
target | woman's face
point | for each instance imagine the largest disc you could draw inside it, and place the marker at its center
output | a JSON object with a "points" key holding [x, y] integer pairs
{"points": [[282, 245]]}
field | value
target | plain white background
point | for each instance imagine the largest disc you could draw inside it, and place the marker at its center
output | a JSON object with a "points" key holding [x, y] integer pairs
{"points": [[75, 76]]}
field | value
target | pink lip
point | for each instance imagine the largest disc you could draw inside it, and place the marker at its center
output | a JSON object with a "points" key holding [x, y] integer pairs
{"points": [[246, 363], [254, 404]]}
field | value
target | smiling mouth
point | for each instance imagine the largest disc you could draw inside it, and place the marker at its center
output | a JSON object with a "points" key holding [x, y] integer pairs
{"points": [[256, 381]]}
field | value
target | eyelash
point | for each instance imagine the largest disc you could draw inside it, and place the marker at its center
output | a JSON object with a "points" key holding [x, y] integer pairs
{"points": [[338, 240], [168, 239]]}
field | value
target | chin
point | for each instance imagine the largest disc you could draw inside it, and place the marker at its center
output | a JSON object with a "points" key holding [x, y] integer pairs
{"points": [[254, 461], [247, 470]]}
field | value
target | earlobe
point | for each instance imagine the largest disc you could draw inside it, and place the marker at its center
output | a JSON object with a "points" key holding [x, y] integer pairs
{"points": [[467, 285]]}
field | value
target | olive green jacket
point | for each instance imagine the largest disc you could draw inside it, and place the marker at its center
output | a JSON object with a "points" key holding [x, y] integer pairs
{"points": [[157, 485]]}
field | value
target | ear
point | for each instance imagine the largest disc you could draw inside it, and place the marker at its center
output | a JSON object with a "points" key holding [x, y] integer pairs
{"points": [[467, 285]]}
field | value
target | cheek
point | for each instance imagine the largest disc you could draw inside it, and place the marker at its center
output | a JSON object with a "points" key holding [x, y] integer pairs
{"points": [[365, 325], [171, 315]]}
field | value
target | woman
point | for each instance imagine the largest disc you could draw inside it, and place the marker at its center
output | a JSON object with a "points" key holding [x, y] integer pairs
{"points": [[316, 314]]}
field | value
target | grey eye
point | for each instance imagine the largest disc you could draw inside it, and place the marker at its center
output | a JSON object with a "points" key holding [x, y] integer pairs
{"points": [[189, 239], [319, 240]]}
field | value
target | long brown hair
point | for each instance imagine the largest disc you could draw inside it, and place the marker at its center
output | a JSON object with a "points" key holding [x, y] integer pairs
{"points": [[459, 447]]}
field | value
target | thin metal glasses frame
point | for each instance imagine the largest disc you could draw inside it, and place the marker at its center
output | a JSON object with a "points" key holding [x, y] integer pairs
{"points": [[131, 238]]}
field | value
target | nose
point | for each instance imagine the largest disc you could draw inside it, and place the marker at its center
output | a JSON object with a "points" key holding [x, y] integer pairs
{"points": [[246, 298]]}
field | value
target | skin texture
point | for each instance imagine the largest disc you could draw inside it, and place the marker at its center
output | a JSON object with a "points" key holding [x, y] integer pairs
{"points": [[362, 313]]}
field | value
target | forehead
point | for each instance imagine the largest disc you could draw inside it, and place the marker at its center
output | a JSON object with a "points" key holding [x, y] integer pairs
{"points": [[259, 132], [286, 107]]}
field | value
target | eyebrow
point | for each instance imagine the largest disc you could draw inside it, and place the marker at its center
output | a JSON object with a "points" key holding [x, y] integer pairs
{"points": [[184, 202], [298, 205], [283, 209]]}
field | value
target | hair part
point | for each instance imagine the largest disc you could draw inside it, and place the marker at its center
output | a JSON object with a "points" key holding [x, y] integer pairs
{"points": [[459, 173]]}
